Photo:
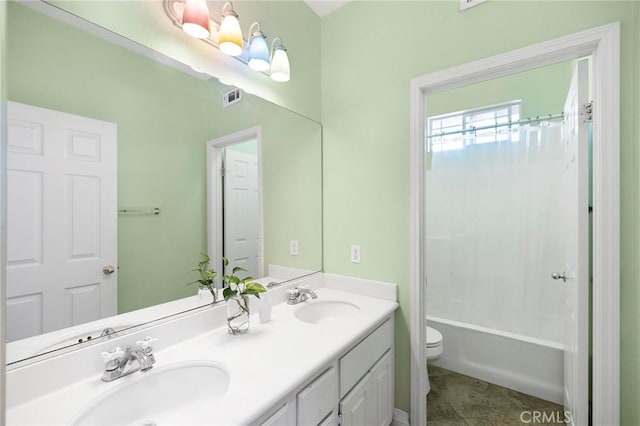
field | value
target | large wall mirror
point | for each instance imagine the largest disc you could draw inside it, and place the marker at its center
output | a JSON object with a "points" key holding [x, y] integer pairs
{"points": [[115, 185]]}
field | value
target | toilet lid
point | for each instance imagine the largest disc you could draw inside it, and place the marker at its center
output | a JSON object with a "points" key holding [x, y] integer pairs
{"points": [[434, 338]]}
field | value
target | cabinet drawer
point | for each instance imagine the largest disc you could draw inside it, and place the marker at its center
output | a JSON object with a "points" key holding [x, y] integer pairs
{"points": [[360, 359], [318, 399]]}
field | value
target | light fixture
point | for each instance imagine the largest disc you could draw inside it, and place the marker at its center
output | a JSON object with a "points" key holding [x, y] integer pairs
{"points": [[230, 35], [195, 18], [280, 70], [258, 51]]}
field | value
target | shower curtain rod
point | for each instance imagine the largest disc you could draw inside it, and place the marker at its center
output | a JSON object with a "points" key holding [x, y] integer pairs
{"points": [[522, 122]]}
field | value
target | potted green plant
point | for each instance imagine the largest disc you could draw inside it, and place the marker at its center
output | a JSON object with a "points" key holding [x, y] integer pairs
{"points": [[207, 279], [236, 292]]}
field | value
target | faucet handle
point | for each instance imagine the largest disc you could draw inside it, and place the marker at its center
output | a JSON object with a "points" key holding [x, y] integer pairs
{"points": [[113, 354], [146, 342]]}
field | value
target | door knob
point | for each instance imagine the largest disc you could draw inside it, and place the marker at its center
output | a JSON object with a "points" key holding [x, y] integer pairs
{"points": [[559, 276], [108, 270]]}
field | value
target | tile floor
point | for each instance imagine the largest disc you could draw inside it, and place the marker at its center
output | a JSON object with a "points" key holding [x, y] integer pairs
{"points": [[458, 400]]}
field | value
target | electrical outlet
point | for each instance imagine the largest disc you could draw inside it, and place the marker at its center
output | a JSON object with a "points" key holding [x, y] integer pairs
{"points": [[293, 247], [355, 254]]}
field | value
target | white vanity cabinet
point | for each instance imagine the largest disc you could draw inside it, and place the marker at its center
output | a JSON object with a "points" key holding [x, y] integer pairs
{"points": [[284, 416], [356, 390], [366, 380], [318, 399], [370, 402], [287, 372], [316, 404]]}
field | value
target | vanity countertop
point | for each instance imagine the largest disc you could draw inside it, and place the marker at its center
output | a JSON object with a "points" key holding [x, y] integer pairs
{"points": [[265, 365]]}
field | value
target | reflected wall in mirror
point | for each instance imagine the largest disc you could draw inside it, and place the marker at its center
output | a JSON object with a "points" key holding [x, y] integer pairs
{"points": [[160, 120]]}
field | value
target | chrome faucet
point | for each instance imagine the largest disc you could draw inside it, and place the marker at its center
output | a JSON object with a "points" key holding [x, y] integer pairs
{"points": [[300, 294], [121, 363]]}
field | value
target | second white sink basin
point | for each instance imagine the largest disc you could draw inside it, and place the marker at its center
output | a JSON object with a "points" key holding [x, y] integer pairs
{"points": [[180, 393], [325, 311]]}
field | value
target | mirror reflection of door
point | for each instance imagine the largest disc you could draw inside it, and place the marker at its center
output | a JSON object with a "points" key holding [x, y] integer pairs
{"points": [[240, 197], [61, 220]]}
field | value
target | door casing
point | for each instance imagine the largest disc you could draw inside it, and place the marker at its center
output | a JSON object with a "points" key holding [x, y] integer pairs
{"points": [[604, 44], [214, 193]]}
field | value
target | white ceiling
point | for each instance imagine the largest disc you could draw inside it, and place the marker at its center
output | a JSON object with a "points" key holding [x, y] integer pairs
{"points": [[324, 7]]}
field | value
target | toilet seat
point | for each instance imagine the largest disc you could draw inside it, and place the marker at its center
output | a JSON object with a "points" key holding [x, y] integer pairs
{"points": [[434, 338]]}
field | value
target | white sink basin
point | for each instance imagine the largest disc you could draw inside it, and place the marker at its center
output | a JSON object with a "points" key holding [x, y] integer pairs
{"points": [[180, 393], [325, 311]]}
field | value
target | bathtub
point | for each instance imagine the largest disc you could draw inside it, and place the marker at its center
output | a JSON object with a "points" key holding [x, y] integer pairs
{"points": [[528, 365]]}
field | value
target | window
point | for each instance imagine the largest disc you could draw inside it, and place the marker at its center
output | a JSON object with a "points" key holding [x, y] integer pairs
{"points": [[477, 126]]}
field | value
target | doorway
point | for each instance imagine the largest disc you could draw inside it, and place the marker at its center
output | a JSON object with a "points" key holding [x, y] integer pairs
{"points": [[603, 44], [234, 202], [503, 218]]}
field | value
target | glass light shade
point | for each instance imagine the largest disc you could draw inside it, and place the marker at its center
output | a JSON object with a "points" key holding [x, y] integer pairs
{"points": [[230, 36], [280, 70], [259, 53], [195, 18]]}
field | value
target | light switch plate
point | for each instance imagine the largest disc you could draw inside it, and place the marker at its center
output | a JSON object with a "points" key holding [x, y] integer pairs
{"points": [[293, 248]]}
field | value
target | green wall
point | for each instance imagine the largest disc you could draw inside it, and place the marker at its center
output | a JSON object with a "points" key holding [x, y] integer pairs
{"points": [[248, 147], [365, 114], [542, 92], [291, 170]]}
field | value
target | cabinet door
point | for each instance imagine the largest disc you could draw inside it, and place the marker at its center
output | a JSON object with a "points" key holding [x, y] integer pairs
{"points": [[382, 377], [285, 416], [318, 399], [330, 420], [358, 407]]}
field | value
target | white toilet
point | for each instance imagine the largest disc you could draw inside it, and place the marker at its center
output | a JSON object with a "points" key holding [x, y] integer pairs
{"points": [[434, 349]]}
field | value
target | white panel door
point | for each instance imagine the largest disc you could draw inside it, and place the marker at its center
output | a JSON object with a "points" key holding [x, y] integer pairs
{"points": [[61, 220], [576, 156], [241, 215]]}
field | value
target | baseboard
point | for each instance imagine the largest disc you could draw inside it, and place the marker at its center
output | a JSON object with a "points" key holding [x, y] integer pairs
{"points": [[400, 418]]}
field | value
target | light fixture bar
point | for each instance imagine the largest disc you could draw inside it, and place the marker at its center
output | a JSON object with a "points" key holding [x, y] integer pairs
{"points": [[174, 10]]}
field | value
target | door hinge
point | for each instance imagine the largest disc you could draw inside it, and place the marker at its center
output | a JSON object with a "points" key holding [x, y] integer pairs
{"points": [[222, 171], [587, 112]]}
